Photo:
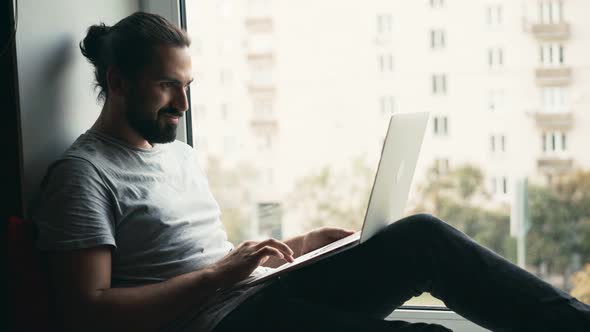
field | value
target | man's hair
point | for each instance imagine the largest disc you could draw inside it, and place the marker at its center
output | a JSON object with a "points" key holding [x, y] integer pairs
{"points": [[128, 45]]}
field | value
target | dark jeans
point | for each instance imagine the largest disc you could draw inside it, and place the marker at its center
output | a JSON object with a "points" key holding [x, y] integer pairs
{"points": [[356, 289]]}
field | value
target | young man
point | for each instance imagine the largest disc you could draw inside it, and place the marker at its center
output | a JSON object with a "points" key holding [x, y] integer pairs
{"points": [[135, 241]]}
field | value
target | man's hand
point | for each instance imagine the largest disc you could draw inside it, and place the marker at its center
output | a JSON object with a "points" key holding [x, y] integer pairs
{"points": [[321, 237], [244, 259]]}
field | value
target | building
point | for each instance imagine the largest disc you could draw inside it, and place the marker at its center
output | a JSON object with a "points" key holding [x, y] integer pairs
{"points": [[290, 86]]}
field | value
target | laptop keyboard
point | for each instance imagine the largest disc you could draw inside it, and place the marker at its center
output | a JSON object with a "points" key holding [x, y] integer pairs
{"points": [[332, 246]]}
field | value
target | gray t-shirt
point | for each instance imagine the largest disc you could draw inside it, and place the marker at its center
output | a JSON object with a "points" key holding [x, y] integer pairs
{"points": [[153, 206]]}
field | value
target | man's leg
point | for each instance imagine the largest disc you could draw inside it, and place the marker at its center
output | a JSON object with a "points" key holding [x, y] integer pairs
{"points": [[421, 253]]}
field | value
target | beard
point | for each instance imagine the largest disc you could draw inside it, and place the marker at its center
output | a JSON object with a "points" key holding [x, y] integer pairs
{"points": [[153, 129]]}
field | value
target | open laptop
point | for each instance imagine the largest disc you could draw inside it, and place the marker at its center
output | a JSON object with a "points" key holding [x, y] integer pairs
{"points": [[389, 194]]}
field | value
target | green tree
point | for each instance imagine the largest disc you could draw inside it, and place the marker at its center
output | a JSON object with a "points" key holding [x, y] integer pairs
{"points": [[333, 197], [459, 197], [559, 237]]}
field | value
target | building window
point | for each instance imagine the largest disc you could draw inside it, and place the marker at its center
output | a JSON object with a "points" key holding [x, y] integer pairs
{"points": [[494, 15], [259, 8], [504, 185], [440, 125], [262, 107], [387, 105], [554, 142], [261, 75], [497, 143], [224, 110], [439, 84], [384, 24], [553, 99], [437, 39], [495, 57], [551, 54], [386, 63], [437, 3], [442, 165], [550, 12], [265, 142]]}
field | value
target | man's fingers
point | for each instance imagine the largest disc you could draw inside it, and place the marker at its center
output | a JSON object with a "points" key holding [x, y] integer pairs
{"points": [[283, 247], [268, 251]]}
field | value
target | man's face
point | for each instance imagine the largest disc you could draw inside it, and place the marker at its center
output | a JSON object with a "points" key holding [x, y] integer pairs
{"points": [[157, 98]]}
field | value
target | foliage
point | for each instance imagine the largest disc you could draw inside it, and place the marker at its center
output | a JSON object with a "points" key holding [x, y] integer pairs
{"points": [[560, 222], [333, 197], [457, 196], [581, 281]]}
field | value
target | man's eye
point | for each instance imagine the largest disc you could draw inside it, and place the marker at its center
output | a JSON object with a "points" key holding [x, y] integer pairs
{"points": [[167, 84]]}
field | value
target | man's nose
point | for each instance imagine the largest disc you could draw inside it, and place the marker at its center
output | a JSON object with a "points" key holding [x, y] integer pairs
{"points": [[181, 100]]}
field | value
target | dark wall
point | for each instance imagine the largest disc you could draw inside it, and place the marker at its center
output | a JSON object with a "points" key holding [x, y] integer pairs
{"points": [[10, 147]]}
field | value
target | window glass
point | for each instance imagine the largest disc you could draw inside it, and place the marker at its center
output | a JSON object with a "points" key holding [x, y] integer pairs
{"points": [[291, 137]]}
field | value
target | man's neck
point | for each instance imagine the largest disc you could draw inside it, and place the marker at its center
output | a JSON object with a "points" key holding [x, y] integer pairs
{"points": [[112, 122]]}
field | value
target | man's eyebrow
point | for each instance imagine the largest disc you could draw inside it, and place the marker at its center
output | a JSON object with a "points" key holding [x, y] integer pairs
{"points": [[170, 79]]}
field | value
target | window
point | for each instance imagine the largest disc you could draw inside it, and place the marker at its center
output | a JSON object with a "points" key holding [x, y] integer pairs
{"points": [[384, 24], [262, 107], [494, 15], [550, 12], [553, 100], [437, 3], [296, 91], [261, 75], [551, 54], [224, 110], [440, 125], [554, 142], [439, 84], [385, 63], [387, 105], [258, 8], [437, 39], [495, 57], [442, 165]]}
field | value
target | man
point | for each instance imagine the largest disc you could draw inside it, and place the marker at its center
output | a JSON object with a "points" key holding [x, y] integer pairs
{"points": [[135, 242]]}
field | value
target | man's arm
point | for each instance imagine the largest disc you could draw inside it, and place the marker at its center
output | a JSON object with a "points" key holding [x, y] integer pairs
{"points": [[82, 280]]}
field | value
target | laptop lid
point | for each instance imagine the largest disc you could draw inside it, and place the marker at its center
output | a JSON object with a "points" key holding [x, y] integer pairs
{"points": [[395, 171]]}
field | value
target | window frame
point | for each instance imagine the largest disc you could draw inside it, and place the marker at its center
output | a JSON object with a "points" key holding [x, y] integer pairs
{"points": [[175, 11]]}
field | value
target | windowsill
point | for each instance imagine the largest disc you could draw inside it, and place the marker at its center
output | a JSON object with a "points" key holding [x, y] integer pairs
{"points": [[435, 315]]}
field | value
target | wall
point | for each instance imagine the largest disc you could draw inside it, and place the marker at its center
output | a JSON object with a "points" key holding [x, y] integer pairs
{"points": [[57, 98]]}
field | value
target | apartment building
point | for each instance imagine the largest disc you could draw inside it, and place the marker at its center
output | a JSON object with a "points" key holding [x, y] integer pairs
{"points": [[290, 86]]}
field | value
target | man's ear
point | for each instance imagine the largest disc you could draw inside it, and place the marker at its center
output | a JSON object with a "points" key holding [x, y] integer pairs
{"points": [[117, 84]]}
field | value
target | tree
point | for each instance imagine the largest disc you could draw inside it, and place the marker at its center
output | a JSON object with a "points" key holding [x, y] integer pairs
{"points": [[559, 238], [459, 197], [333, 197]]}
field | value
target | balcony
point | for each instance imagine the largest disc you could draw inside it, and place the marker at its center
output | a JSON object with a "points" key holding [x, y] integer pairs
{"points": [[559, 121], [267, 124], [553, 76], [259, 24], [554, 165], [266, 57], [551, 31]]}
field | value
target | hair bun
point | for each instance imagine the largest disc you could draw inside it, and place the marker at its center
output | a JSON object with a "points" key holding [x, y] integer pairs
{"points": [[91, 46]]}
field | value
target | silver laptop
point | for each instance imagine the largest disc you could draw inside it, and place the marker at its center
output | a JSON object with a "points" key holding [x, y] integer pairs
{"points": [[389, 194]]}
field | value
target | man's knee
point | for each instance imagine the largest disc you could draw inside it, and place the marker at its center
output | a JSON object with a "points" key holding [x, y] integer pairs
{"points": [[419, 225]]}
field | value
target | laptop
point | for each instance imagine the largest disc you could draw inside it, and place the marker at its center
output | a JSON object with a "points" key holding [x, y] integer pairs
{"points": [[389, 194]]}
